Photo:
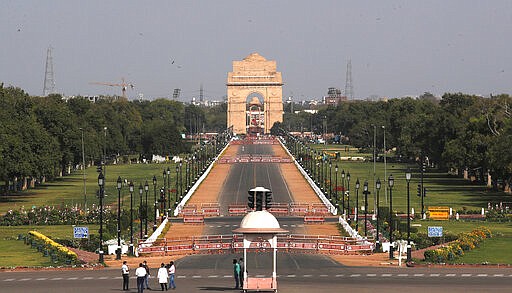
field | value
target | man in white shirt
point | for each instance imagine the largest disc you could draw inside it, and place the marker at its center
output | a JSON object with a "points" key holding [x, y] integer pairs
{"points": [[172, 271], [140, 272], [126, 275]]}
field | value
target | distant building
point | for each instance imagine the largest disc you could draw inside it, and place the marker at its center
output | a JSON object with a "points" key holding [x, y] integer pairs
{"points": [[334, 97]]}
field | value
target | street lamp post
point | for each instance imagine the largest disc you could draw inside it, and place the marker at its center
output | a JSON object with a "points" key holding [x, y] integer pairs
{"points": [[164, 176], [146, 188], [176, 193], [130, 248], [366, 192], [181, 182], [141, 189], [83, 169], [391, 182], [356, 213], [119, 186], [154, 205], [101, 184], [348, 196], [408, 179], [377, 243], [330, 179], [168, 191], [336, 183], [343, 190]]}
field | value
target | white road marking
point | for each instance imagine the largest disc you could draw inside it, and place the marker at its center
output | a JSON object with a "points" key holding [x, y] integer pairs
{"points": [[338, 276], [450, 275], [465, 275], [386, 275], [87, 278], [41, 279], [73, 278], [181, 277], [435, 275], [227, 276], [25, 279], [291, 276], [103, 278], [402, 275], [498, 275], [307, 276], [355, 275], [370, 275], [196, 277], [9, 280], [419, 275], [482, 275]]}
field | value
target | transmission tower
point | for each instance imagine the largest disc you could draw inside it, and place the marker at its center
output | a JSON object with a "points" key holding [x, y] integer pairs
{"points": [[201, 94], [49, 82], [349, 88]]}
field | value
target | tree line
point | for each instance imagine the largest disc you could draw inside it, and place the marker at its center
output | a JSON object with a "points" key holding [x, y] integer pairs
{"points": [[41, 137], [457, 132]]}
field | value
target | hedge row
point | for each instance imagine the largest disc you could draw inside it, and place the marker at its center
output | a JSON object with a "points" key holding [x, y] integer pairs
{"points": [[455, 249], [52, 248]]}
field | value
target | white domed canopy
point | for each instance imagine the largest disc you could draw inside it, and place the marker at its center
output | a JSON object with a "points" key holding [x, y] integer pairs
{"points": [[259, 222]]}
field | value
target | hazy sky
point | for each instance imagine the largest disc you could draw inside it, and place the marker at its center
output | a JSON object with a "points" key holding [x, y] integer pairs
{"points": [[397, 48]]}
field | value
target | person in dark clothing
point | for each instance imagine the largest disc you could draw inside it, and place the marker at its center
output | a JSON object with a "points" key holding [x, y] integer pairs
{"points": [[146, 278], [242, 270]]}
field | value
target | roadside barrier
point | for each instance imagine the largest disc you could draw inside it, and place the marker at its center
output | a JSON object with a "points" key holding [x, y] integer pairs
{"points": [[309, 219], [210, 209], [293, 243], [193, 219], [237, 209]]}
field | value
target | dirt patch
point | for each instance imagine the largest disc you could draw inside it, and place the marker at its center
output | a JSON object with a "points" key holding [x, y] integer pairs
{"points": [[322, 229]]}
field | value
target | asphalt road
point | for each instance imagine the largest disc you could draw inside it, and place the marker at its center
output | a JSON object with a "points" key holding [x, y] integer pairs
{"points": [[211, 274], [245, 176], [296, 272]]}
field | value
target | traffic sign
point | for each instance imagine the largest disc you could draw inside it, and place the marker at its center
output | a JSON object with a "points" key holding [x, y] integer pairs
{"points": [[81, 232], [435, 231]]}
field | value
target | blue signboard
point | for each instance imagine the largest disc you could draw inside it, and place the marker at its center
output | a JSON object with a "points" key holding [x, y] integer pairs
{"points": [[435, 231], [81, 232]]}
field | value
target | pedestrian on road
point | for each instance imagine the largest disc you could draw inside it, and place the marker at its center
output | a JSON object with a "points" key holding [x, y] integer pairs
{"points": [[172, 271], [241, 276], [145, 265], [236, 273], [140, 272], [162, 277], [125, 270]]}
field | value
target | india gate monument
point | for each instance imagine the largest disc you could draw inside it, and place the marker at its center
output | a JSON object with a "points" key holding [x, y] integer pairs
{"points": [[255, 95]]}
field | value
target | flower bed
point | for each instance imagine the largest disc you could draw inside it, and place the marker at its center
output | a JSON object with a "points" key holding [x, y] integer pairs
{"points": [[464, 242], [56, 251]]}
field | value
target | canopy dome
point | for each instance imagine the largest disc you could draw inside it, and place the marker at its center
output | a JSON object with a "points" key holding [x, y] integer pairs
{"points": [[259, 222]]}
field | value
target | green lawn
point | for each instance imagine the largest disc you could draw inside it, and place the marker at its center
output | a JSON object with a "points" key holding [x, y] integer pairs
{"points": [[493, 251], [69, 190]]}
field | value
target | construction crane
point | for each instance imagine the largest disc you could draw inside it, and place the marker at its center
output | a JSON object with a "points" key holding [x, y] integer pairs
{"points": [[124, 86]]}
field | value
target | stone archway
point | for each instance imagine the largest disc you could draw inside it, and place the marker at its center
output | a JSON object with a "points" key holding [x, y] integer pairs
{"points": [[254, 74]]}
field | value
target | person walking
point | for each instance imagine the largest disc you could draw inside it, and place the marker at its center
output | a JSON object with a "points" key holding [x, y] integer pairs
{"points": [[140, 272], [162, 277], [172, 271], [125, 270], [241, 276], [145, 265], [236, 273]]}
